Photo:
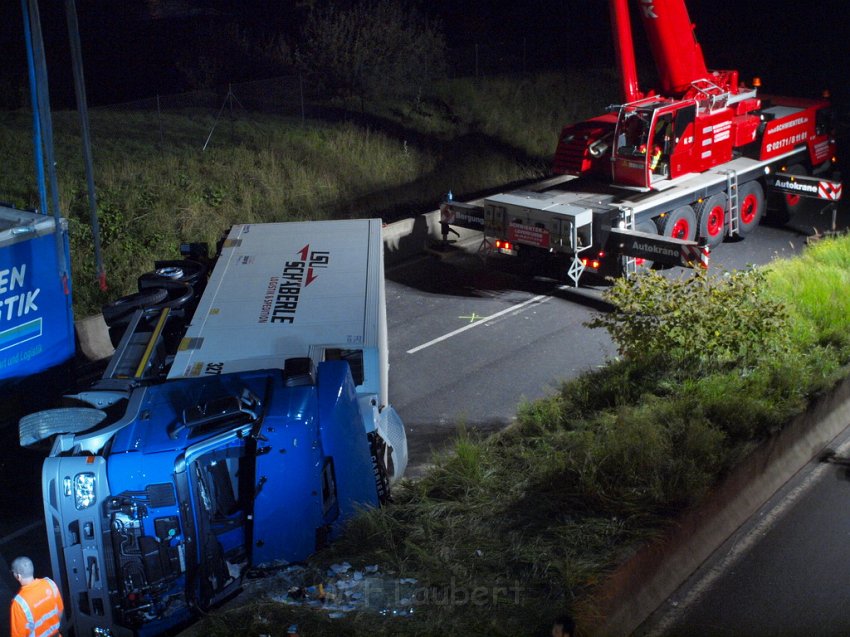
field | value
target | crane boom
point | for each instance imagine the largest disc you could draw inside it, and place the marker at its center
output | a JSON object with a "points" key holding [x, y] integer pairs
{"points": [[672, 40], [624, 47]]}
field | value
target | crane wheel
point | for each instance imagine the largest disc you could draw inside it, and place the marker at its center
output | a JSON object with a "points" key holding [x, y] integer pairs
{"points": [[750, 207], [680, 223]]}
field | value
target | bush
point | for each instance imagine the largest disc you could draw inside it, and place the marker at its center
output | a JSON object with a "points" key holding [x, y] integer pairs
{"points": [[375, 48], [697, 324]]}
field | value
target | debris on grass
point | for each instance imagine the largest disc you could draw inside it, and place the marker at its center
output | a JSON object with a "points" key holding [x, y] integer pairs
{"points": [[340, 590]]}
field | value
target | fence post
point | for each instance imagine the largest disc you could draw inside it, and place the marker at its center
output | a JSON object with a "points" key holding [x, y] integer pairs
{"points": [[159, 122], [301, 90], [230, 109], [476, 60]]}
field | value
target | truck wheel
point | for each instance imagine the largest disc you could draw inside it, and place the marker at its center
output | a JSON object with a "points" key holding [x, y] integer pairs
{"points": [[750, 207], [681, 223], [783, 206], [124, 306], [711, 219], [177, 294]]}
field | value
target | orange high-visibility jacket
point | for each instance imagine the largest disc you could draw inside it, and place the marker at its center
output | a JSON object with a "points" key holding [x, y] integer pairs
{"points": [[37, 610]]}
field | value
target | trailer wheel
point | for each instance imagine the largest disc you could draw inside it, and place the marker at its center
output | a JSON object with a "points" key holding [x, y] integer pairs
{"points": [[711, 219], [783, 206], [750, 207], [178, 295], [681, 223]]}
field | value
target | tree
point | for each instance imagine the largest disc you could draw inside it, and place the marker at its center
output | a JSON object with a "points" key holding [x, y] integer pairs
{"points": [[372, 48]]}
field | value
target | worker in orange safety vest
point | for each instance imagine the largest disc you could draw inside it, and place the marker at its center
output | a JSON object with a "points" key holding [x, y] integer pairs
{"points": [[37, 609]]}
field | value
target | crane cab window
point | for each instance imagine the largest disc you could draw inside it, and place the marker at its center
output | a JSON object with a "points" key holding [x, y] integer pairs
{"points": [[633, 133]]}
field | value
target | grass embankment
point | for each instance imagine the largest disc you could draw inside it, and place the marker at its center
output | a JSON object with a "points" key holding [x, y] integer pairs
{"points": [[504, 532], [157, 188]]}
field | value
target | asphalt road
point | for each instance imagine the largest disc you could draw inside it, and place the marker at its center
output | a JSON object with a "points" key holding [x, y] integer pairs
{"points": [[468, 343], [782, 573], [469, 340]]}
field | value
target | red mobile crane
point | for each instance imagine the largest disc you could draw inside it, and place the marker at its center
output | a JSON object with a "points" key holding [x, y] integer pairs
{"points": [[663, 176]]}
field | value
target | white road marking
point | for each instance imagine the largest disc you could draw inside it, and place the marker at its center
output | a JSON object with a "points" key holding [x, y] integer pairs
{"points": [[513, 308]]}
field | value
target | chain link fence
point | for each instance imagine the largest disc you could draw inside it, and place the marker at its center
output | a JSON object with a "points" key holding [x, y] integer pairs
{"points": [[294, 96]]}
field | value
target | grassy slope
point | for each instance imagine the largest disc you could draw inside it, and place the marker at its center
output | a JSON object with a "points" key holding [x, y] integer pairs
{"points": [[394, 160]]}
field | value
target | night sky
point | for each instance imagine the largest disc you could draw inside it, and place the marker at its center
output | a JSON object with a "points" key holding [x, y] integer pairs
{"points": [[133, 48]]}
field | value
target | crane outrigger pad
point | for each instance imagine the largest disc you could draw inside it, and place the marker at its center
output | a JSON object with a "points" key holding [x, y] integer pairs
{"points": [[664, 250], [804, 186]]}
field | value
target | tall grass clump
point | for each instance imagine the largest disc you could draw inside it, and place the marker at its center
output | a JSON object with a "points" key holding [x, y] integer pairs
{"points": [[528, 112], [813, 287], [375, 49]]}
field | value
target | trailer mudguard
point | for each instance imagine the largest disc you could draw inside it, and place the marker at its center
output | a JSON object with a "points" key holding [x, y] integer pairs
{"points": [[344, 440]]}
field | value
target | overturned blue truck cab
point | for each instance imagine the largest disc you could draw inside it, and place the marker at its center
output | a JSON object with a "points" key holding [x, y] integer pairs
{"points": [[233, 430]]}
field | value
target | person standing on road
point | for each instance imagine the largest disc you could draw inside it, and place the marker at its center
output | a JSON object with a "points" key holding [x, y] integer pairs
{"points": [[37, 609], [446, 217]]}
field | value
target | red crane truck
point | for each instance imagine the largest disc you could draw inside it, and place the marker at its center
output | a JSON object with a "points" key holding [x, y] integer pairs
{"points": [[665, 176]]}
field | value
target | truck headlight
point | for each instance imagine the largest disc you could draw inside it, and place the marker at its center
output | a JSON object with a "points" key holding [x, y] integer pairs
{"points": [[85, 494], [101, 632]]}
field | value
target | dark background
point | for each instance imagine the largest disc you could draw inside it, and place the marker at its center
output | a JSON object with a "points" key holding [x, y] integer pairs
{"points": [[136, 49], [139, 48]]}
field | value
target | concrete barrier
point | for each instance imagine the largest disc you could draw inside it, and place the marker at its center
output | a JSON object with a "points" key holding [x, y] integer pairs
{"points": [[93, 337]]}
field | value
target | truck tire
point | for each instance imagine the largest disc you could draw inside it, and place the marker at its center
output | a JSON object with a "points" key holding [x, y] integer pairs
{"points": [[122, 307], [178, 295], [783, 206], [711, 219], [750, 207], [680, 223]]}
